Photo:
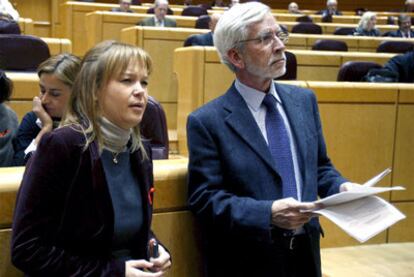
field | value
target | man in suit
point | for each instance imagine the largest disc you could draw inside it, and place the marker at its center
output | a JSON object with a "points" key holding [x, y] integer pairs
{"points": [[331, 9], [159, 19], [404, 30], [257, 158], [207, 38], [124, 6], [403, 65]]}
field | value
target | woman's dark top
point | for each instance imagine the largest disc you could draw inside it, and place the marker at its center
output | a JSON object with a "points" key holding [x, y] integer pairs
{"points": [[126, 200]]}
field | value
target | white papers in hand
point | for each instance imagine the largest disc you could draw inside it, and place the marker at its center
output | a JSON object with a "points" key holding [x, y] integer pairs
{"points": [[363, 218], [359, 213]]}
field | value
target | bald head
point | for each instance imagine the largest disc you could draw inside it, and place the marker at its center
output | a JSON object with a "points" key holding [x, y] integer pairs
{"points": [[214, 18]]}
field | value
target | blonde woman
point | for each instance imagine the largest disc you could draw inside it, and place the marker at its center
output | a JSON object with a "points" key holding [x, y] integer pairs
{"points": [[56, 77], [366, 25], [85, 203]]}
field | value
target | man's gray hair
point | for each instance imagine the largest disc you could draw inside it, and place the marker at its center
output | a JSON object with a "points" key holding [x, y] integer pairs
{"points": [[160, 2], [232, 27]]}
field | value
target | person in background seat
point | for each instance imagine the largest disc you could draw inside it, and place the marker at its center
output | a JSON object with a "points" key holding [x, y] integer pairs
{"points": [[207, 38], [366, 25], [331, 9], [124, 6], [8, 121], [404, 28], [56, 77], [159, 19]]}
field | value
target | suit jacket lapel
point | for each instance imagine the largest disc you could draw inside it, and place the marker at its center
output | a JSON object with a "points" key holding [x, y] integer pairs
{"points": [[242, 122]]}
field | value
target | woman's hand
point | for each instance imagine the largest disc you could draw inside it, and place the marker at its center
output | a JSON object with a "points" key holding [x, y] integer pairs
{"points": [[47, 122], [136, 268], [41, 112], [163, 262]]}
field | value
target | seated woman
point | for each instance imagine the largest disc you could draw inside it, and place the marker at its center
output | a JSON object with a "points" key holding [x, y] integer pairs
{"points": [[8, 121], [366, 25], [85, 203], [56, 75]]}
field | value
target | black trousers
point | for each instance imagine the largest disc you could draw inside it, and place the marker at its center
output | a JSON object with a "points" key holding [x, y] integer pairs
{"points": [[293, 256]]}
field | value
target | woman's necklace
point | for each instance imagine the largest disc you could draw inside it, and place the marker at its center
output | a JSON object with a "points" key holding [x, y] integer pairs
{"points": [[115, 157]]}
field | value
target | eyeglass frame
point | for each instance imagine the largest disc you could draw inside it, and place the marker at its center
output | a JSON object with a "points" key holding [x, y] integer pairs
{"points": [[261, 37]]}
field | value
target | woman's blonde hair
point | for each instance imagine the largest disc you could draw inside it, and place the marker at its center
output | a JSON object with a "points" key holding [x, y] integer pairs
{"points": [[365, 18], [107, 60], [64, 66]]}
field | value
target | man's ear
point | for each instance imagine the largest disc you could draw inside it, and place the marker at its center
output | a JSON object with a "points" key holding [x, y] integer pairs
{"points": [[235, 58]]}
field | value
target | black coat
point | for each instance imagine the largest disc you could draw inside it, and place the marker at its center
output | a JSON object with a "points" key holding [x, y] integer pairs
{"points": [[404, 66], [64, 221]]}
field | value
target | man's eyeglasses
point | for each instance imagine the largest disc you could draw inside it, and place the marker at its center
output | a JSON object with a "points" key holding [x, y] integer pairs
{"points": [[269, 37]]}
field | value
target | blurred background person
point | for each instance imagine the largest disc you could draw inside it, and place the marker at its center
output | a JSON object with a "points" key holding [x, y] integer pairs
{"points": [[408, 6], [234, 2], [207, 38], [218, 3], [7, 9], [56, 77], [159, 19], [404, 27], [331, 9], [293, 8], [8, 121], [124, 6], [403, 65], [366, 25], [85, 203]]}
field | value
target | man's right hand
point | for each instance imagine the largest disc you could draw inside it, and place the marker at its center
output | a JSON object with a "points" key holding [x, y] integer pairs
{"points": [[286, 213]]}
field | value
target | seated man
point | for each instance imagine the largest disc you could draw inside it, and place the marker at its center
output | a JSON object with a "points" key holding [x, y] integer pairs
{"points": [[409, 6], [404, 30], [403, 65], [207, 38], [159, 19], [331, 9], [124, 6], [7, 10], [293, 8]]}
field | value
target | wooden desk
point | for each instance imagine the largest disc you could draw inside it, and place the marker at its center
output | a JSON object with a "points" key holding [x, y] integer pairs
{"points": [[172, 222]]}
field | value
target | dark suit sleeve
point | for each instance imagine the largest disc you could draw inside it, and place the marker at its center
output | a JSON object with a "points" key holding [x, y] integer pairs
{"points": [[399, 65], [208, 197], [38, 210], [26, 132]]}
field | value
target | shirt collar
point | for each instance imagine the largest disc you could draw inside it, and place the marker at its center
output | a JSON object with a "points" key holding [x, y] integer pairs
{"points": [[254, 97]]}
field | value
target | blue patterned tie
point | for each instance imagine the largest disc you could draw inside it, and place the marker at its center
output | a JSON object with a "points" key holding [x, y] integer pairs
{"points": [[279, 146]]}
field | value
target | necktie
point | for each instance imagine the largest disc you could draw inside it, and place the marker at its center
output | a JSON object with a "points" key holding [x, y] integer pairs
{"points": [[279, 146]]}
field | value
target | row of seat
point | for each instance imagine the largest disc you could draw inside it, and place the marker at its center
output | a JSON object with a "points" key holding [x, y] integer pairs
{"points": [[75, 25]]}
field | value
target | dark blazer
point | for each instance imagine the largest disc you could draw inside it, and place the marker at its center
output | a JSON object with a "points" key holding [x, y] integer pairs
{"points": [[362, 32], [326, 12], [399, 34], [63, 221], [27, 131], [403, 65], [233, 180], [150, 21], [203, 39]]}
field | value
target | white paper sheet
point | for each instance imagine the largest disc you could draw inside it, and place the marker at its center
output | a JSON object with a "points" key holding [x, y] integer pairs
{"points": [[358, 212]]}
